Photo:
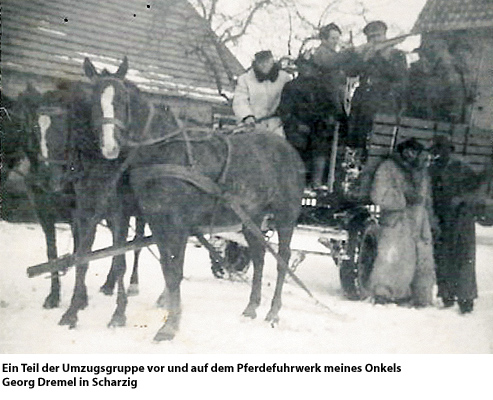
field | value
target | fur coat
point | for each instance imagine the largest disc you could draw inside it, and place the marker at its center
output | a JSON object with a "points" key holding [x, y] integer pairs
{"points": [[404, 268]]}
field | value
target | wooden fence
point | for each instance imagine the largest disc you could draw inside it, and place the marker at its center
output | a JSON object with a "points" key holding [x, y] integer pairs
{"points": [[471, 144]]}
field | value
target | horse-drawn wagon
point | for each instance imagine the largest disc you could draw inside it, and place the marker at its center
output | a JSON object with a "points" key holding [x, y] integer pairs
{"points": [[209, 173]]}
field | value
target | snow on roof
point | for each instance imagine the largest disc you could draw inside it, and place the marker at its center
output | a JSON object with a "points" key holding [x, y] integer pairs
{"points": [[445, 15], [170, 48]]}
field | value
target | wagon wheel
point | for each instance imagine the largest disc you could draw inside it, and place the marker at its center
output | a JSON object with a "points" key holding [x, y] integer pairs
{"points": [[236, 259], [355, 271]]}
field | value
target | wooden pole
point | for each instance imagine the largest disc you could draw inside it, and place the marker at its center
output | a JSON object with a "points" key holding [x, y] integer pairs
{"points": [[333, 158], [68, 260]]}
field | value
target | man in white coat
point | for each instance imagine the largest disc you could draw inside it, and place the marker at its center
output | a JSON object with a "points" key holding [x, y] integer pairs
{"points": [[258, 93]]}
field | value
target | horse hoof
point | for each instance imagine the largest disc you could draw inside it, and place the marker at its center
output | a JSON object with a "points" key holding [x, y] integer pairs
{"points": [[272, 318], [164, 334], [68, 319], [51, 302], [250, 313], [274, 323], [133, 290], [107, 290], [117, 321]]}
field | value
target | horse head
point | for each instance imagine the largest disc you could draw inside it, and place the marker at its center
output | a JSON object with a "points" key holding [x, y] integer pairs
{"points": [[111, 100], [53, 136], [121, 115], [47, 120]]}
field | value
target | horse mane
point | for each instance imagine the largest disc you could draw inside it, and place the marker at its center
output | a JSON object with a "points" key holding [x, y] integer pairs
{"points": [[163, 119]]}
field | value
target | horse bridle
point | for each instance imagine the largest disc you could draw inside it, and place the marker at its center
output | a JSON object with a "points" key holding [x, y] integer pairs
{"points": [[116, 121], [124, 126]]}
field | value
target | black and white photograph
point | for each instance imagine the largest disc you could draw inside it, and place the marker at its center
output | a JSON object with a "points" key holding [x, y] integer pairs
{"points": [[257, 177]]}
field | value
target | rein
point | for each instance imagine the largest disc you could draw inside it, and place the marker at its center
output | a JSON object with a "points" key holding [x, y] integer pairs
{"points": [[171, 135]]}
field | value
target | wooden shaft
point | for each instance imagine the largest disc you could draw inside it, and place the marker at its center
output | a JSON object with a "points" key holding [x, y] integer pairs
{"points": [[68, 260], [333, 158]]}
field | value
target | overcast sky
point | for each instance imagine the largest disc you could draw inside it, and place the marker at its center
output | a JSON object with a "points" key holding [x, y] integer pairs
{"points": [[271, 30]]}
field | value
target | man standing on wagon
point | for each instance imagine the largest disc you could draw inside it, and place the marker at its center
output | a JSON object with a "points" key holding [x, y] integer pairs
{"points": [[258, 93], [331, 64], [382, 75]]}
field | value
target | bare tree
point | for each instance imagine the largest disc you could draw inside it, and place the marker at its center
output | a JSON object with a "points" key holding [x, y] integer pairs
{"points": [[224, 28]]}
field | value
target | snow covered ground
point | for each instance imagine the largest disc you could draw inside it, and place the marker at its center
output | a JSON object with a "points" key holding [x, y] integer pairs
{"points": [[212, 321]]}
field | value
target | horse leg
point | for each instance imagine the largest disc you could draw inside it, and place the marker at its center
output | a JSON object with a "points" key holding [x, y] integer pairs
{"points": [[53, 298], [285, 233], [257, 254], [109, 285], [47, 222], [120, 229], [133, 289], [86, 232], [172, 245]]}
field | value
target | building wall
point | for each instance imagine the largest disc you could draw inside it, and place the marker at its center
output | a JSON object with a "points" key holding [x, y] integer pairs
{"points": [[482, 112], [480, 64], [191, 111]]}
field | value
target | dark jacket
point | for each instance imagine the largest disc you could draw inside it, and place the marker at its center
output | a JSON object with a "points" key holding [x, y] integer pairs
{"points": [[455, 245], [381, 90]]}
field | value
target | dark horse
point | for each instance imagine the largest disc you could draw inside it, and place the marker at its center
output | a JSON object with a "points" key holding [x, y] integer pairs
{"points": [[99, 195], [39, 129], [63, 121], [171, 169], [21, 138]]}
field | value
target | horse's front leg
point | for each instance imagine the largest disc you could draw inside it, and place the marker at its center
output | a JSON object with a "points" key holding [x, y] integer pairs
{"points": [[109, 285], [257, 254], [285, 234], [120, 229], [133, 288], [79, 297], [86, 232], [47, 221], [172, 259], [53, 298]]}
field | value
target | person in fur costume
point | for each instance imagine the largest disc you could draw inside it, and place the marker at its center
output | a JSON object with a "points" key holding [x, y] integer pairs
{"points": [[404, 269], [258, 93]]}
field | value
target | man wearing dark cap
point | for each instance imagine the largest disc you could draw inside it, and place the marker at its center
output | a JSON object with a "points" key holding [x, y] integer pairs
{"points": [[454, 186], [382, 74], [258, 93], [404, 269]]}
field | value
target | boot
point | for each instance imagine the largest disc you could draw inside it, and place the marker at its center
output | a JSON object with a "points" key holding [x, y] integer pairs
{"points": [[466, 306], [448, 302]]}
